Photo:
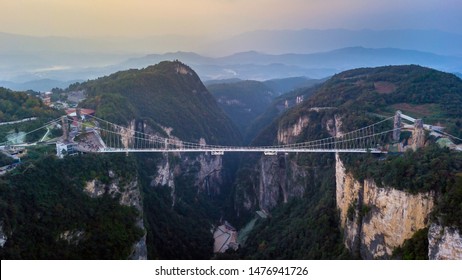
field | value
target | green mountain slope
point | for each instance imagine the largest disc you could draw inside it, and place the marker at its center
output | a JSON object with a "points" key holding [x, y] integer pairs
{"points": [[19, 105], [361, 97], [66, 222], [169, 94], [279, 105], [242, 101], [16, 106], [45, 213], [418, 91]]}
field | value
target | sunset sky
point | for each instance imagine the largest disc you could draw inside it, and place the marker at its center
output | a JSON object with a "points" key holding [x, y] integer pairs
{"points": [[215, 18]]}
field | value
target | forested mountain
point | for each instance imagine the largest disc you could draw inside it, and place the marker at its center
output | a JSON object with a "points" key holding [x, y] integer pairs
{"points": [[242, 101], [110, 206], [417, 91], [307, 182], [183, 195], [169, 94]]}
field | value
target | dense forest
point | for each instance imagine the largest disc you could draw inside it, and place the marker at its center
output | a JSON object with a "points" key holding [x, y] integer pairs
{"points": [[46, 214], [421, 92], [20, 105]]}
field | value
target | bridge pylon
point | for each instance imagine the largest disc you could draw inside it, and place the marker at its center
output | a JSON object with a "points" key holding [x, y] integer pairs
{"points": [[397, 126], [65, 128]]}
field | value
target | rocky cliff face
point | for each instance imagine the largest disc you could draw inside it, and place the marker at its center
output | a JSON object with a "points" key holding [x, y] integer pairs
{"points": [[127, 134], [210, 176], [444, 243], [287, 134], [280, 177], [280, 180], [276, 179], [377, 220], [208, 172], [164, 175], [129, 195], [347, 195]]}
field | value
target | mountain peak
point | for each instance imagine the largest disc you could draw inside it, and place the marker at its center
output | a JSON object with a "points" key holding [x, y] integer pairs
{"points": [[168, 94]]}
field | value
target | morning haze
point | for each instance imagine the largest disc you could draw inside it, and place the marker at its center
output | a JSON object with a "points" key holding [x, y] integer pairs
{"points": [[82, 39], [216, 18]]}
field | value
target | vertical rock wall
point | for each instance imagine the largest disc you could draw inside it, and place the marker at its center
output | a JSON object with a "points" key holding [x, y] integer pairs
{"points": [[393, 216], [286, 135], [377, 220], [347, 194]]}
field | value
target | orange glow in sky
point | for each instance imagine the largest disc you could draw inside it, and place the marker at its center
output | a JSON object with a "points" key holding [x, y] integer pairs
{"points": [[83, 18]]}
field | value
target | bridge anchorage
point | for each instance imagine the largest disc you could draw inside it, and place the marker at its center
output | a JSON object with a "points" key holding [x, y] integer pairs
{"points": [[92, 134]]}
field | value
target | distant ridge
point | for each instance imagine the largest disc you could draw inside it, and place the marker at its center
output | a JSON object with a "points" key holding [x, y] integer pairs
{"points": [[257, 55], [260, 66], [313, 40], [254, 65]]}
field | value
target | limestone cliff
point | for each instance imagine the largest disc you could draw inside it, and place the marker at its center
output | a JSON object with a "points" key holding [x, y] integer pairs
{"points": [[287, 134], [275, 179], [347, 194], [280, 177], [127, 134], [394, 217], [129, 195], [444, 243], [208, 171], [164, 175], [279, 181], [377, 220], [210, 176]]}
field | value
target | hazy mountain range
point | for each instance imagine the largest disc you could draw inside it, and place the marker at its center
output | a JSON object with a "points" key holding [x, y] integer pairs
{"points": [[310, 41], [41, 63]]}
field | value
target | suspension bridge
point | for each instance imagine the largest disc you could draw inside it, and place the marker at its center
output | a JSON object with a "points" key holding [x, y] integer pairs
{"points": [[100, 136], [120, 139]]}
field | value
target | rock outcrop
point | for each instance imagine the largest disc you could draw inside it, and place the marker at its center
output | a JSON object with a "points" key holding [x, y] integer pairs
{"points": [[72, 237], [208, 170], [394, 216], [444, 243], [280, 180], [3, 237], [164, 175], [376, 220], [129, 195], [347, 194], [286, 135], [210, 177]]}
